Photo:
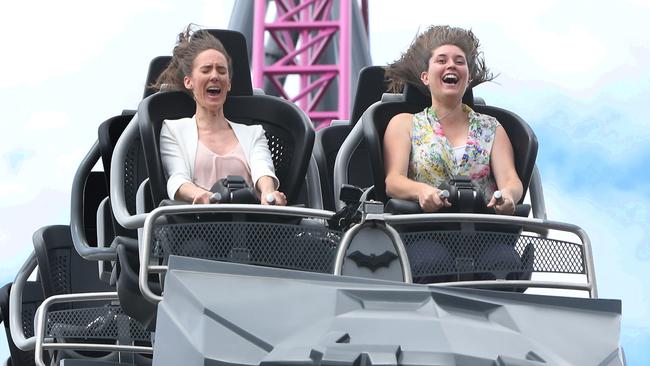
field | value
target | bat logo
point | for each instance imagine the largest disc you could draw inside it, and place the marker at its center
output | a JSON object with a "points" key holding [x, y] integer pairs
{"points": [[372, 261]]}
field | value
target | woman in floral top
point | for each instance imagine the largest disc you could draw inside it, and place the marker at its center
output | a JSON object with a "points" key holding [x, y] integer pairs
{"points": [[425, 150]]}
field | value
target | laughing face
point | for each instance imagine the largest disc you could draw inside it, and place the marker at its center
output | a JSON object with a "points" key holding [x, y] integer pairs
{"points": [[210, 79], [448, 73]]}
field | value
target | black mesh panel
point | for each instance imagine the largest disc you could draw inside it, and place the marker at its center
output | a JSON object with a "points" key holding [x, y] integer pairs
{"points": [[131, 178], [106, 322], [281, 153], [29, 310], [278, 245], [456, 252], [60, 271]]}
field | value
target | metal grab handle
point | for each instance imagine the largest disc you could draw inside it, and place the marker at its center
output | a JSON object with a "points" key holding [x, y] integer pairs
{"points": [[16, 305], [77, 210]]}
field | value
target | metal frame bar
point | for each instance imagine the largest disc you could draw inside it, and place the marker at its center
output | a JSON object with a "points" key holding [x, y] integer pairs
{"points": [[313, 185], [16, 305], [153, 216], [39, 328], [76, 210], [343, 158], [537, 195]]}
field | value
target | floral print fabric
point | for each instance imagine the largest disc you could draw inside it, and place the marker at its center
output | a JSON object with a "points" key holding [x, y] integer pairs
{"points": [[432, 159]]}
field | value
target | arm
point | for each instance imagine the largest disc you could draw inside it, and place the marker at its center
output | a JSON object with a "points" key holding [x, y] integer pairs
{"points": [[502, 162], [397, 151], [263, 172], [266, 185], [179, 182]]}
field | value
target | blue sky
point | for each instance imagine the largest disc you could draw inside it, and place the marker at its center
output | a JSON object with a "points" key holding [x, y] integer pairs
{"points": [[575, 71]]}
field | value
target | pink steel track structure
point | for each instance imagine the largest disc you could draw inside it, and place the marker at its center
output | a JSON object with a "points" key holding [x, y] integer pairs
{"points": [[312, 20]]}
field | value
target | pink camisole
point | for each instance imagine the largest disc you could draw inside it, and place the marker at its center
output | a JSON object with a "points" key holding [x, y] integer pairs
{"points": [[210, 167]]}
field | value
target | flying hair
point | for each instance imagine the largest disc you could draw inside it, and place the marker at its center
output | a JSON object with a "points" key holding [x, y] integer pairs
{"points": [[407, 69], [189, 45]]}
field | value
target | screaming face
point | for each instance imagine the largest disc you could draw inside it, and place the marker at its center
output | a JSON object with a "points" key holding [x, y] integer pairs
{"points": [[210, 79]]}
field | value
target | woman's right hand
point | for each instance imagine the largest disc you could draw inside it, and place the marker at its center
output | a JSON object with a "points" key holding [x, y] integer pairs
{"points": [[202, 197], [430, 200]]}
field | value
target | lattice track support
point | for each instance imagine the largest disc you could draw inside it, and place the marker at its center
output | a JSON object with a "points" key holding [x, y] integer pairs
{"points": [[303, 29]]}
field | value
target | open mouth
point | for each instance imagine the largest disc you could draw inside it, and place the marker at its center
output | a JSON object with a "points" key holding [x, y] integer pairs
{"points": [[213, 91], [450, 79]]}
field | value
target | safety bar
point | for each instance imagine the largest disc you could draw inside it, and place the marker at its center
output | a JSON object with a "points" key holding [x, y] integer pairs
{"points": [[41, 344], [16, 305], [118, 197], [341, 164], [537, 195], [312, 184], [528, 224], [152, 217], [77, 211]]}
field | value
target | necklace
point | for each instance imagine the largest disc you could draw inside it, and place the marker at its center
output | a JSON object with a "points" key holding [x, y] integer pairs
{"points": [[435, 113]]}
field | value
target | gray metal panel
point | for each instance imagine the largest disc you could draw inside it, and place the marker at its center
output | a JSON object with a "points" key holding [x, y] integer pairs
{"points": [[322, 319]]}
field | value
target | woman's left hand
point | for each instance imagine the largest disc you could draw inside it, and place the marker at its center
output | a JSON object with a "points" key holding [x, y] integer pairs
{"points": [[276, 198], [504, 206]]}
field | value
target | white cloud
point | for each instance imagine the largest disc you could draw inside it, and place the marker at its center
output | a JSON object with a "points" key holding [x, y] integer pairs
{"points": [[616, 222], [11, 191], [53, 38], [47, 121], [22, 219], [216, 13]]}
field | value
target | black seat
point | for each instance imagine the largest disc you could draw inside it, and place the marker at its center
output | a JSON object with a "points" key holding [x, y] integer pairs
{"points": [[61, 269], [376, 118], [32, 298], [288, 131], [370, 87], [125, 272]]}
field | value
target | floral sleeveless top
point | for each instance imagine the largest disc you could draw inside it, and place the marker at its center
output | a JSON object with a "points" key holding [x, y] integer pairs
{"points": [[432, 159]]}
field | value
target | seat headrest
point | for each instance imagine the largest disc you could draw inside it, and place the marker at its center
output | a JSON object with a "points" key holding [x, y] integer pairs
{"points": [[156, 67], [371, 85], [235, 44]]}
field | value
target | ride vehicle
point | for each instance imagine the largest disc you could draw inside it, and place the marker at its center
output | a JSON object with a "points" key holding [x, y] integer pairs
{"points": [[246, 284]]}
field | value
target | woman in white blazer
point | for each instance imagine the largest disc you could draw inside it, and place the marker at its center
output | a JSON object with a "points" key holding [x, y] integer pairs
{"points": [[195, 151]]}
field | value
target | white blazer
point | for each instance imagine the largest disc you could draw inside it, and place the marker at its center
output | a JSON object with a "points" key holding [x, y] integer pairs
{"points": [[179, 140]]}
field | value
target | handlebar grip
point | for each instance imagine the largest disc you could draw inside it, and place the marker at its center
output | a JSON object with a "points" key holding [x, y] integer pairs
{"points": [[498, 196], [217, 197]]}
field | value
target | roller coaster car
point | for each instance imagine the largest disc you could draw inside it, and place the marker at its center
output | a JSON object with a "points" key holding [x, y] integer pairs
{"points": [[363, 308]]}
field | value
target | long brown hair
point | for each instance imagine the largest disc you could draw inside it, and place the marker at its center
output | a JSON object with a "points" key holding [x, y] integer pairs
{"points": [[190, 43], [415, 60]]}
